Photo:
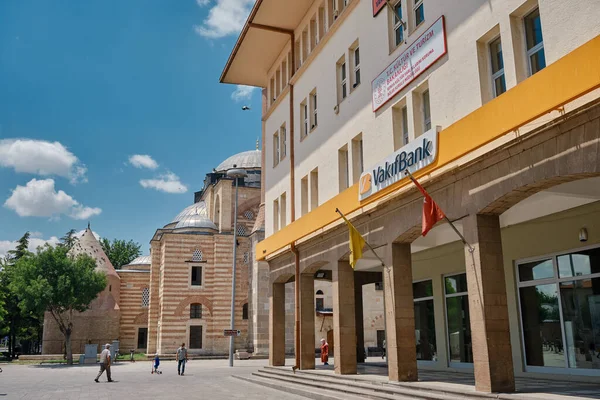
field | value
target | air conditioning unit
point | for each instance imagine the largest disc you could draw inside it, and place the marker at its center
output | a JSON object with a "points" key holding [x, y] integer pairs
{"points": [[336, 108]]}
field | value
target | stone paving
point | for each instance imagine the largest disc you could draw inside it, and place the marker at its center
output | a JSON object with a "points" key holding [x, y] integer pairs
{"points": [[204, 379]]}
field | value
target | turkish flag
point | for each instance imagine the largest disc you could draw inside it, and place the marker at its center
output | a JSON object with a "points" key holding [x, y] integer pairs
{"points": [[432, 213]]}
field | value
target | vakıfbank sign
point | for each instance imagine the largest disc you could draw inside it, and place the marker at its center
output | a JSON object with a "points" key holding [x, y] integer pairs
{"points": [[413, 61], [414, 156]]}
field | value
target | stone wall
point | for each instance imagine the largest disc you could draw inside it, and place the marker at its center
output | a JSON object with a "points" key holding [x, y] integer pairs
{"points": [[133, 314]]}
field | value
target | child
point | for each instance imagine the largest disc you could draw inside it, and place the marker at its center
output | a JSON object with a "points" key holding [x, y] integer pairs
{"points": [[156, 364]]}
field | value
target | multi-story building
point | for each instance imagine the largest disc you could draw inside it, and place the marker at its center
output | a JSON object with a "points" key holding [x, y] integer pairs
{"points": [[492, 106]]}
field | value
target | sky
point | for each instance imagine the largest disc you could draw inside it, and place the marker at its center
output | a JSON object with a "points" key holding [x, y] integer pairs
{"points": [[111, 112]]}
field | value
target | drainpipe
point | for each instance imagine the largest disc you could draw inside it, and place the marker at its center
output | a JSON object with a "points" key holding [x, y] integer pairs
{"points": [[297, 302]]}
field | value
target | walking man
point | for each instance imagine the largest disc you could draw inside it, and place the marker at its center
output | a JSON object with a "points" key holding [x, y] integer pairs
{"points": [[324, 352], [182, 357], [105, 361]]}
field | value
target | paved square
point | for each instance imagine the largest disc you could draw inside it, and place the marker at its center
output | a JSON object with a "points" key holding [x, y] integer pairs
{"points": [[204, 379]]}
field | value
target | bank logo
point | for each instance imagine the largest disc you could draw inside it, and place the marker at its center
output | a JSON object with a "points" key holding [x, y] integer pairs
{"points": [[365, 184]]}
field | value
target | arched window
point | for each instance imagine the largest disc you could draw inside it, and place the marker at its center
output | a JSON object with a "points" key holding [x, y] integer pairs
{"points": [[245, 311], [319, 301], [195, 310], [145, 297], [319, 292]]}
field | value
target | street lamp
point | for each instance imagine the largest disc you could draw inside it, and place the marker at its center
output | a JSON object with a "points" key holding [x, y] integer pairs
{"points": [[236, 174]]}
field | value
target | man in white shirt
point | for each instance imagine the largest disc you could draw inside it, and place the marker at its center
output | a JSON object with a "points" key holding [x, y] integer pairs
{"points": [[105, 361]]}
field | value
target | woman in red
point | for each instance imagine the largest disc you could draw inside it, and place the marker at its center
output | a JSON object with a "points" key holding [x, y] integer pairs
{"points": [[324, 352]]}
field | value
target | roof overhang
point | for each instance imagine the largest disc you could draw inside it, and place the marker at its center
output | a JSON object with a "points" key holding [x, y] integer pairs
{"points": [[265, 33]]}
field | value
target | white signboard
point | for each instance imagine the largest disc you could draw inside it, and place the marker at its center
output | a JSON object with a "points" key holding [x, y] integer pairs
{"points": [[413, 61], [414, 156]]}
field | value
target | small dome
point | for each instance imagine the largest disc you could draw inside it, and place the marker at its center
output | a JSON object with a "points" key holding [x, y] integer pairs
{"points": [[246, 160], [194, 216], [141, 260]]}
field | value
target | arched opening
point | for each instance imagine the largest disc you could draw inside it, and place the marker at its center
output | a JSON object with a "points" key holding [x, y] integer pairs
{"points": [[217, 213]]}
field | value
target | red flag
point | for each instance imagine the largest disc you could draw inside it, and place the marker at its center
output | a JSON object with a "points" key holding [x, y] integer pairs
{"points": [[432, 213]]}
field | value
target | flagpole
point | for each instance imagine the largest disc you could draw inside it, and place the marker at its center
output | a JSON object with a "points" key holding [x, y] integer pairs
{"points": [[337, 210], [462, 238]]}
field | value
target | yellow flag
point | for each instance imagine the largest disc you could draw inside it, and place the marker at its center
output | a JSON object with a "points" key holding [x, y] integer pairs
{"points": [[357, 242]]}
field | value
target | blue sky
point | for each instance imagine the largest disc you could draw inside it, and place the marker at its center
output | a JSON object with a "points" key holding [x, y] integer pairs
{"points": [[86, 86]]}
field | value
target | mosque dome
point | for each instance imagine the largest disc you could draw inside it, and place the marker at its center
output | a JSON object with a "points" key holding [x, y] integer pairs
{"points": [[194, 216], [141, 260], [246, 160]]}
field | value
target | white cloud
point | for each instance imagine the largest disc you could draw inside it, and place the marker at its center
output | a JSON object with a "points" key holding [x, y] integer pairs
{"points": [[39, 198], [203, 3], [226, 17], [168, 183], [34, 243], [143, 161], [42, 158], [242, 92]]}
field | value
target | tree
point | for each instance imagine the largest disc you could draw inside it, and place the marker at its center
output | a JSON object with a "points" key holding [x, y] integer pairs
{"points": [[69, 240], [21, 249], [53, 281], [120, 252]]}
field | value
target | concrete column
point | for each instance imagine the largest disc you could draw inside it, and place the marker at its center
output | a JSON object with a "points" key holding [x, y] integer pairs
{"points": [[307, 321], [400, 314], [277, 325], [360, 326], [490, 331], [344, 323]]}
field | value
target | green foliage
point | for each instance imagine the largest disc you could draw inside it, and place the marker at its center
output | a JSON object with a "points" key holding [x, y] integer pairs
{"points": [[69, 240], [120, 252], [53, 281], [21, 249]]}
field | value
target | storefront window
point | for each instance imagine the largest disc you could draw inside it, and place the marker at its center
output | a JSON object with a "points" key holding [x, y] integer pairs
{"points": [[424, 321], [457, 314], [560, 310]]}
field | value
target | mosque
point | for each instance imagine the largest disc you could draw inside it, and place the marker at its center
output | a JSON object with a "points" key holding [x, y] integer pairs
{"points": [[181, 292]]}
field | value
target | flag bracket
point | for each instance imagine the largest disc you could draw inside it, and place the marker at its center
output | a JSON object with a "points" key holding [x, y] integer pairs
{"points": [[460, 235]]}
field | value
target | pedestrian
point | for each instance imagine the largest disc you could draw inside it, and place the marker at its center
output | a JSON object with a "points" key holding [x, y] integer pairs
{"points": [[156, 364], [105, 360], [324, 352], [182, 357]]}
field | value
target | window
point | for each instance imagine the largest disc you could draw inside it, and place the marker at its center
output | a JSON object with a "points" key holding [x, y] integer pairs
{"points": [[305, 47], [196, 276], [535, 42], [357, 158], [400, 124], [282, 210], [142, 341], [458, 322], [304, 115], [398, 26], [342, 81], [284, 74], [283, 142], [424, 320], [297, 55], [245, 311], [319, 292], [498, 82], [276, 144], [313, 108], [276, 215], [272, 91], [426, 112], [304, 195], [560, 310], [419, 12], [314, 189], [378, 285], [145, 297], [314, 34], [195, 337], [356, 67], [319, 304], [195, 310], [197, 255], [404, 125], [343, 172]]}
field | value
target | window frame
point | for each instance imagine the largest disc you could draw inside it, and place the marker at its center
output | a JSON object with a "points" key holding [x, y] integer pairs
{"points": [[191, 285], [426, 115], [145, 289], [405, 132], [555, 280], [500, 72], [416, 5], [453, 364], [283, 142], [276, 149], [343, 85], [198, 309], [189, 336], [304, 114], [356, 68], [536, 48], [313, 110], [397, 23]]}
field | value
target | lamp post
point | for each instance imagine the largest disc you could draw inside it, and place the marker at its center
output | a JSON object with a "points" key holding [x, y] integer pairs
{"points": [[236, 174]]}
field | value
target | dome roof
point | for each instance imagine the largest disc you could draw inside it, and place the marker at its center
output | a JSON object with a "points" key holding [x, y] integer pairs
{"points": [[246, 160], [194, 216], [141, 260]]}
